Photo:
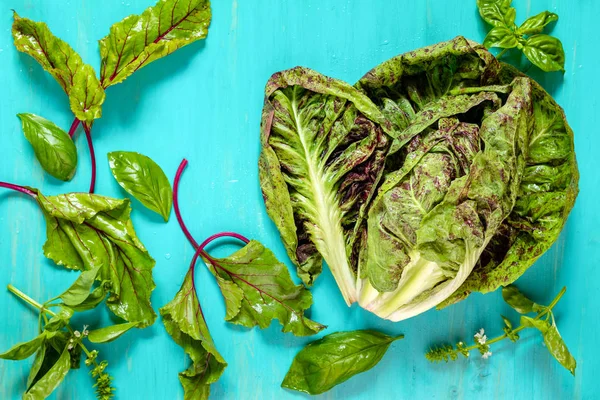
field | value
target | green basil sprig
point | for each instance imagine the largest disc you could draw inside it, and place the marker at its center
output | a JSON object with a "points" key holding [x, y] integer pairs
{"points": [[336, 358], [544, 51], [142, 178]]}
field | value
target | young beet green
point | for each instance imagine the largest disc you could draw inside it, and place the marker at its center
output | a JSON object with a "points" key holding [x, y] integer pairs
{"points": [[543, 321], [142, 178], [89, 232], [544, 51], [440, 173], [336, 358], [131, 44], [58, 347]]}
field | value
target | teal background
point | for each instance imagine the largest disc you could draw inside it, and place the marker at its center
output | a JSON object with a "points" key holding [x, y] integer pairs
{"points": [[204, 103]]}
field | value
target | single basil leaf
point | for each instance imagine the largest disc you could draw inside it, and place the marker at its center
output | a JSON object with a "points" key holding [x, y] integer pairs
{"points": [[110, 333], [24, 350], [77, 79], [546, 52], [557, 347], [536, 24], [80, 289], [184, 321], [336, 358], [538, 324], [52, 146], [94, 298], [138, 40], [60, 320], [142, 178], [88, 231], [496, 12], [40, 355], [51, 379], [502, 37], [517, 300], [261, 289], [506, 322]]}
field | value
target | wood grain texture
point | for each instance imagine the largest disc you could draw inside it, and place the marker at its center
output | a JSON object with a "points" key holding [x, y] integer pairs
{"points": [[204, 103]]}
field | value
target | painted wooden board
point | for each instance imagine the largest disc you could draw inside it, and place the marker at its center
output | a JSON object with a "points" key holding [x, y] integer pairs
{"points": [[204, 103]]}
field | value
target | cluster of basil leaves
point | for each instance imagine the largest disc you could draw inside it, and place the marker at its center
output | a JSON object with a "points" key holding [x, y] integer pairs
{"points": [[544, 51]]}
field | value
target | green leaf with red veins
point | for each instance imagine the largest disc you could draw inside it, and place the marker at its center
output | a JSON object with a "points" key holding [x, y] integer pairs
{"points": [[77, 79], [184, 321], [138, 40], [88, 231], [258, 289]]}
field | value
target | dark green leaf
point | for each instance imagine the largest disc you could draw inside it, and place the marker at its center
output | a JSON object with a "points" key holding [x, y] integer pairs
{"points": [[336, 358], [24, 350], [52, 146], [80, 289], [184, 321], [51, 379], [517, 300], [143, 179], [77, 79], [60, 320], [258, 289], [88, 231], [138, 40], [546, 52], [496, 12], [502, 37], [536, 24], [110, 333]]}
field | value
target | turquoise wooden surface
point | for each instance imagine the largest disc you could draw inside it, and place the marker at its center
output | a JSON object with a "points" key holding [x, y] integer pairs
{"points": [[204, 103]]}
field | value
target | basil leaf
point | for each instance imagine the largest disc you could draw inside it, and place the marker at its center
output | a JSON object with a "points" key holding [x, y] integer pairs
{"points": [[184, 321], [517, 300], [37, 364], [557, 347], [143, 179], [496, 12], [110, 333], [80, 289], [336, 358], [536, 24], [502, 37], [24, 350], [87, 231], [94, 298], [52, 146], [77, 79], [553, 341], [138, 40], [52, 379], [60, 320], [258, 289], [546, 52]]}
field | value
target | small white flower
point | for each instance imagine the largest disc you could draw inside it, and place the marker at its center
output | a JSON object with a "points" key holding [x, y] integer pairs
{"points": [[85, 330], [467, 354], [70, 347], [460, 343], [77, 334], [480, 336], [486, 355]]}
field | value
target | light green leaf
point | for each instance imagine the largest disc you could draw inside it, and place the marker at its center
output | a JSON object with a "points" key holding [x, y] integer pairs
{"points": [[52, 146], [77, 79], [496, 12], [336, 358], [138, 40], [110, 333], [517, 300], [88, 231], [502, 37], [40, 356], [184, 321], [536, 24], [142, 178], [24, 350], [80, 289], [546, 52], [51, 379], [60, 320], [557, 347], [262, 291]]}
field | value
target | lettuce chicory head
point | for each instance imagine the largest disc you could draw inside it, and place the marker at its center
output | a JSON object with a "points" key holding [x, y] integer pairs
{"points": [[440, 173]]}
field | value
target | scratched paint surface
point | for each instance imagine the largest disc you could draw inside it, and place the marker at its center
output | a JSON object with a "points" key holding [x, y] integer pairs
{"points": [[204, 103]]}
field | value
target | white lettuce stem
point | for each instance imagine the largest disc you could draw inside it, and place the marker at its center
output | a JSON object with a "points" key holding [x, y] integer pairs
{"points": [[335, 256]]}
